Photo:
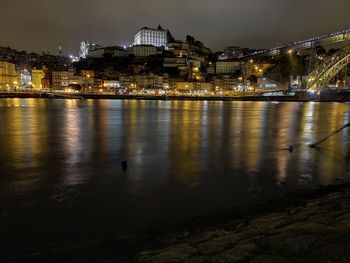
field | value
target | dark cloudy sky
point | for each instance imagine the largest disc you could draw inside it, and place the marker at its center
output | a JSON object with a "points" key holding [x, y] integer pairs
{"points": [[41, 25]]}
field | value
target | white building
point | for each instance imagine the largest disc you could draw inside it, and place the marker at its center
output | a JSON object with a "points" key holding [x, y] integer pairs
{"points": [[84, 49], [149, 36]]}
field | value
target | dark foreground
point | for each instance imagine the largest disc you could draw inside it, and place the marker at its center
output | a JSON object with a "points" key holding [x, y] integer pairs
{"points": [[312, 226]]}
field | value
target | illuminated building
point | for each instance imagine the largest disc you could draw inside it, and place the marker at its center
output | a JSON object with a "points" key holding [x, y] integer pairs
{"points": [[37, 76], [194, 87], [60, 79], [88, 78], [149, 36], [112, 84], [8, 76], [86, 48], [25, 78], [73, 58]]}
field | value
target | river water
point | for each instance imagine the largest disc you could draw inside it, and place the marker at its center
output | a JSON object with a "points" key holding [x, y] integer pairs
{"points": [[60, 161]]}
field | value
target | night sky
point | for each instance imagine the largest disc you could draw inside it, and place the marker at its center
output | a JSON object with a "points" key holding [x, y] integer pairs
{"points": [[41, 25]]}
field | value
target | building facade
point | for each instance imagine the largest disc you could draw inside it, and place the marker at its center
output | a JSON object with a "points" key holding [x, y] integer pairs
{"points": [[228, 67], [114, 51], [149, 36], [37, 76], [8, 76], [85, 48], [143, 50], [60, 79]]}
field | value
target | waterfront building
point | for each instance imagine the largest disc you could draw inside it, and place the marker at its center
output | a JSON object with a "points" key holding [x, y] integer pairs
{"points": [[144, 81], [111, 84], [149, 36], [45, 83], [265, 83], [228, 83], [25, 77], [126, 80], [195, 88], [60, 79], [37, 76], [228, 67], [88, 78], [8, 76], [76, 80], [143, 50]]}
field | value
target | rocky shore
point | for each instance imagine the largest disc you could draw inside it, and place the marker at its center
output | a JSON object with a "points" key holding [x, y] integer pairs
{"points": [[311, 227]]}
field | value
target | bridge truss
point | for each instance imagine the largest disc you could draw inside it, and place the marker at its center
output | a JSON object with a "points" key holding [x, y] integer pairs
{"points": [[327, 70], [323, 40]]}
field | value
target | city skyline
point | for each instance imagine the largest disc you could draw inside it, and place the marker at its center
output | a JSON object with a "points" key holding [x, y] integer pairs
{"points": [[217, 25]]}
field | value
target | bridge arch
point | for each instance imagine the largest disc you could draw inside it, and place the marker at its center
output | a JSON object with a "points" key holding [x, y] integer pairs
{"points": [[329, 68]]}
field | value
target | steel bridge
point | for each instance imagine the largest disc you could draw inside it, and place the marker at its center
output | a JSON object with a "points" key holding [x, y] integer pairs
{"points": [[329, 69], [328, 39]]}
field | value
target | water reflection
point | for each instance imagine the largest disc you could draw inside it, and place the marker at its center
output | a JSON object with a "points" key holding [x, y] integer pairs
{"points": [[72, 146], [203, 154]]}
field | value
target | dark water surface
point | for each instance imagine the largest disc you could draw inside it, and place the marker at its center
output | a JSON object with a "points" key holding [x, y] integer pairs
{"points": [[60, 161]]}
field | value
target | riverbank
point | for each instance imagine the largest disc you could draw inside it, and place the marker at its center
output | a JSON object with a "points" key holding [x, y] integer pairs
{"points": [[153, 97], [302, 226]]}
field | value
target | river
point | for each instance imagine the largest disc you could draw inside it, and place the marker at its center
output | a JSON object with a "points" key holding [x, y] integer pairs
{"points": [[60, 161]]}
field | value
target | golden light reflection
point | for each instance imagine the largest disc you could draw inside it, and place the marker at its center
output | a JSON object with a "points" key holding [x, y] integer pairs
{"points": [[286, 122], [185, 163], [72, 143], [25, 124], [253, 128]]}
